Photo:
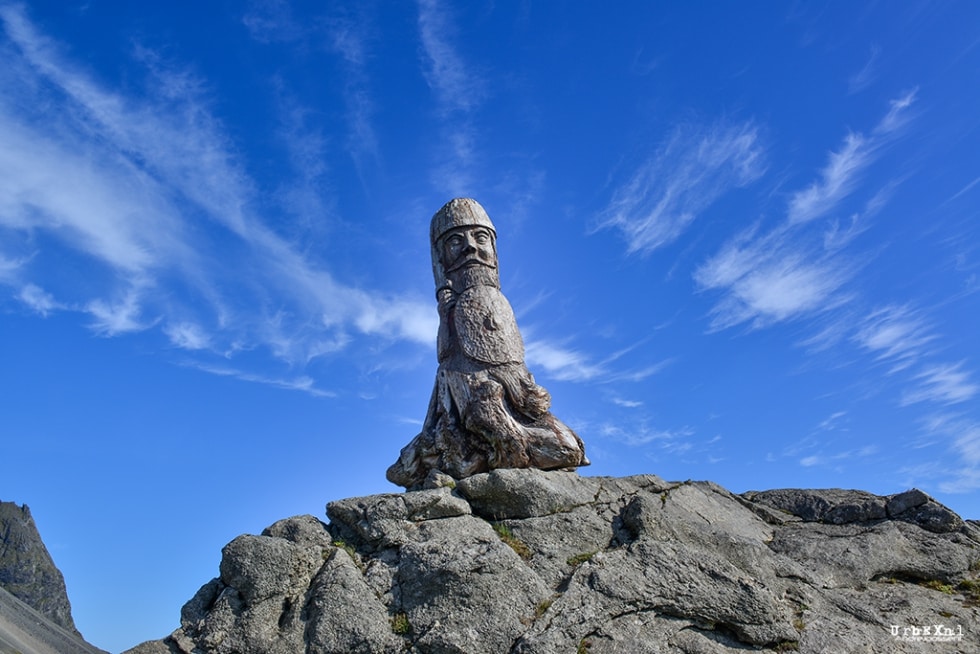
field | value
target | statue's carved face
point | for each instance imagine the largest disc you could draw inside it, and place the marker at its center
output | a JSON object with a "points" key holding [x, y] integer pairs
{"points": [[467, 246]]}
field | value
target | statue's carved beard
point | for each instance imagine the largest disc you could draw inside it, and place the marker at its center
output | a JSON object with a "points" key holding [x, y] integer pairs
{"points": [[474, 274], [484, 256]]}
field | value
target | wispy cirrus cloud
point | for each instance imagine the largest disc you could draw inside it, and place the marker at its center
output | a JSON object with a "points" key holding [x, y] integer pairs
{"points": [[903, 339], [112, 316], [837, 459], [350, 38], [837, 180], [271, 21], [347, 33], [696, 166], [799, 267], [302, 383], [896, 334], [963, 191], [459, 91], [188, 336], [842, 174], [38, 299], [553, 358], [560, 363], [147, 196], [773, 279], [864, 77], [450, 77], [675, 441], [942, 384], [961, 435]]}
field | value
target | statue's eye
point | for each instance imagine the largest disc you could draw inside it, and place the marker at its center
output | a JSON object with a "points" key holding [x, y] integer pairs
{"points": [[482, 238]]}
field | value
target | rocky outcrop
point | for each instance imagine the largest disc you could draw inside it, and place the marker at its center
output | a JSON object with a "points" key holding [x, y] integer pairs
{"points": [[526, 561], [26, 569], [35, 615]]}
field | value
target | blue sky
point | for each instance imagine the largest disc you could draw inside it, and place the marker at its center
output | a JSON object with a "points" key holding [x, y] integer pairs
{"points": [[741, 240]]}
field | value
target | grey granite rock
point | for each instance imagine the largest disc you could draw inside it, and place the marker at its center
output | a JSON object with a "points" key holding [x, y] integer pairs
{"points": [[527, 561]]}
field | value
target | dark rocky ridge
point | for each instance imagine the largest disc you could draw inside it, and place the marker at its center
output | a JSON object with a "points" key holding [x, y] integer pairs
{"points": [[35, 615], [25, 631], [526, 561], [26, 569]]}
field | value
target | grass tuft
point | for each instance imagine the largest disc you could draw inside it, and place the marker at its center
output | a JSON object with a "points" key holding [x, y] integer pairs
{"points": [[971, 591], [400, 624], [579, 559], [515, 543], [935, 584]]}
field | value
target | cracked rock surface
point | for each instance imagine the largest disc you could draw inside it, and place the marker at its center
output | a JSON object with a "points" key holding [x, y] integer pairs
{"points": [[526, 561]]}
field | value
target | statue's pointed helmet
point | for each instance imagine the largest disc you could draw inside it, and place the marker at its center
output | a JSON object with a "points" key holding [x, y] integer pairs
{"points": [[460, 212]]}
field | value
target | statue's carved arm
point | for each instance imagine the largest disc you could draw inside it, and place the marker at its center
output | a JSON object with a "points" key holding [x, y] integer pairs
{"points": [[444, 343]]}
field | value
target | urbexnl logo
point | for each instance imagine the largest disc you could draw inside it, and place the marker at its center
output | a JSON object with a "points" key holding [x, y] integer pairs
{"points": [[935, 633]]}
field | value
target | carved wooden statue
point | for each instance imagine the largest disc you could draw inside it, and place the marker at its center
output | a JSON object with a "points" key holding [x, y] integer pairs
{"points": [[486, 411]]}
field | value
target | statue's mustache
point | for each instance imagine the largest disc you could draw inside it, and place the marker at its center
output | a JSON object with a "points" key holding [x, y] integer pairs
{"points": [[471, 258]]}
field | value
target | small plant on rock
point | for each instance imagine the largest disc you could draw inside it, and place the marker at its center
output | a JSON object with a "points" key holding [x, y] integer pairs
{"points": [[579, 559], [347, 548], [351, 552], [543, 607], [400, 624], [936, 584], [513, 541], [971, 591]]}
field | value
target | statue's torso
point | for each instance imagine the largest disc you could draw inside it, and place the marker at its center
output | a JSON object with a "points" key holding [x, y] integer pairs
{"points": [[486, 327]]}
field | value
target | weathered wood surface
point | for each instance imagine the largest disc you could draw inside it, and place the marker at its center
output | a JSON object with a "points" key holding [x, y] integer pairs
{"points": [[486, 410]]}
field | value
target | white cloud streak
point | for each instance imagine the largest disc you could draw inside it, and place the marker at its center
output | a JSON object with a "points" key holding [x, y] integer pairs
{"points": [[38, 299], [963, 191], [837, 180], [770, 280], [943, 384], [458, 91], [681, 180], [560, 363], [864, 77], [302, 383], [841, 175], [962, 436], [895, 334], [671, 440], [799, 267], [836, 460], [350, 39], [454, 84], [149, 196]]}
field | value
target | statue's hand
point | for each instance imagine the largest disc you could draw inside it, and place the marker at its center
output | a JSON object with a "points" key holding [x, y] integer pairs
{"points": [[446, 298]]}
